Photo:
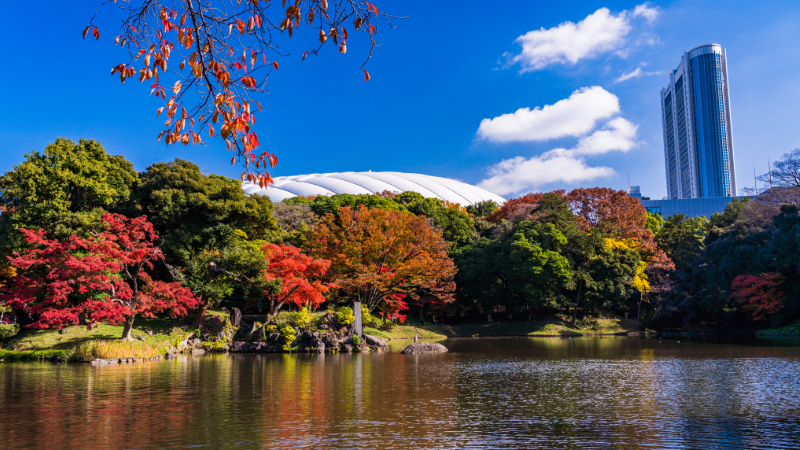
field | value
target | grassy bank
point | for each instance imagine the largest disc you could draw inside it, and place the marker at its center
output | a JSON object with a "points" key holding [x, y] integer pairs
{"points": [[102, 341], [792, 330], [597, 327]]}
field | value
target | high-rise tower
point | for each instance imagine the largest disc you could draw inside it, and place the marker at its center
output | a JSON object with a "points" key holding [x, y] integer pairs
{"points": [[696, 117]]}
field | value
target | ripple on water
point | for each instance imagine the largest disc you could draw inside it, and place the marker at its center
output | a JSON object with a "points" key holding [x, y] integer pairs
{"points": [[500, 393]]}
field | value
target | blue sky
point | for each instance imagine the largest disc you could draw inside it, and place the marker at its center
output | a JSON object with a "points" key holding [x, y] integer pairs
{"points": [[440, 81]]}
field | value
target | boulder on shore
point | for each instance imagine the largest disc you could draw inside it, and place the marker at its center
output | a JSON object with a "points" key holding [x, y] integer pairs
{"points": [[376, 342], [424, 347]]}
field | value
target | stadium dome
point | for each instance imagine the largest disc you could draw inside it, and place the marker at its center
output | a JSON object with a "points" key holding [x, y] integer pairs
{"points": [[370, 183]]}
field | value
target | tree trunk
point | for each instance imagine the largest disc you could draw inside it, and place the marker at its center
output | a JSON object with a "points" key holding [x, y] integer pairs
{"points": [[126, 330], [200, 316], [577, 302], [639, 311]]}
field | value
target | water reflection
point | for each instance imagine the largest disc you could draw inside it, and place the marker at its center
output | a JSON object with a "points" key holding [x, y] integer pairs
{"points": [[498, 393]]}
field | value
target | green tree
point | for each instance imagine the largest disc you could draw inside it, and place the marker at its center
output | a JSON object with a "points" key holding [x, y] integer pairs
{"points": [[63, 190], [184, 204], [782, 254], [525, 263], [483, 209], [324, 204], [228, 271], [682, 239], [654, 223], [456, 225]]}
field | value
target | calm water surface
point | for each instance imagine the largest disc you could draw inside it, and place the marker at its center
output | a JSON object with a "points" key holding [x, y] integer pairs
{"points": [[499, 393]]}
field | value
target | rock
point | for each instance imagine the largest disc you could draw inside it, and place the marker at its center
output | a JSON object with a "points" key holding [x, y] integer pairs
{"points": [[194, 342], [321, 348], [198, 351], [225, 310], [149, 332], [184, 343], [221, 336], [374, 341], [425, 347], [238, 346], [205, 335], [236, 317], [139, 337], [62, 331], [246, 329], [273, 337], [348, 348], [259, 347]]}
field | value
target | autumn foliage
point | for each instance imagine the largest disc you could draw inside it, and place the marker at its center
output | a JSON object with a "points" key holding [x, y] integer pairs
{"points": [[206, 58], [761, 296], [97, 279], [376, 254], [607, 211], [299, 275]]}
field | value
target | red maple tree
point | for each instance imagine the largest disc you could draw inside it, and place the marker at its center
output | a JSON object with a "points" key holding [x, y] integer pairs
{"points": [[761, 296], [298, 274], [96, 279]]}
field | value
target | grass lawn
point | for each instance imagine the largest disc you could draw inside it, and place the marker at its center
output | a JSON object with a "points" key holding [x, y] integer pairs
{"points": [[788, 330], [165, 335], [604, 326]]}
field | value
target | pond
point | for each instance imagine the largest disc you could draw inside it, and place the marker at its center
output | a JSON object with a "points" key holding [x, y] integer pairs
{"points": [[619, 392]]}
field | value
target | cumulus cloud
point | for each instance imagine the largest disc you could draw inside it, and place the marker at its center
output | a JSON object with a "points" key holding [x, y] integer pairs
{"points": [[562, 165], [635, 74], [573, 116], [600, 32], [617, 135], [519, 174]]}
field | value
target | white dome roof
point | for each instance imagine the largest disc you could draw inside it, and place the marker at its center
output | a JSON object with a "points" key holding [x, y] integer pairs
{"points": [[370, 183]]}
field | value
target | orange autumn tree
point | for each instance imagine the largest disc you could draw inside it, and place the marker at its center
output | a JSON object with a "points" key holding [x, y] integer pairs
{"points": [[379, 253], [205, 59], [293, 277]]}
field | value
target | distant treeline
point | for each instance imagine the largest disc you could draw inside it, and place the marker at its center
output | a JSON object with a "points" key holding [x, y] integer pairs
{"points": [[586, 251]]}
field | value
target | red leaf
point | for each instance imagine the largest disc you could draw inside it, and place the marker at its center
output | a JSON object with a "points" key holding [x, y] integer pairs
{"points": [[275, 65], [96, 33], [304, 56], [86, 31], [366, 75], [371, 29]]}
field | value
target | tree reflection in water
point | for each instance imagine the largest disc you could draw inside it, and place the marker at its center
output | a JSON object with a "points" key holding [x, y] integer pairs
{"points": [[513, 393]]}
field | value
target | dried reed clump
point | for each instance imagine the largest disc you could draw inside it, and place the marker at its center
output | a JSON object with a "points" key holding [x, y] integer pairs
{"points": [[114, 349]]}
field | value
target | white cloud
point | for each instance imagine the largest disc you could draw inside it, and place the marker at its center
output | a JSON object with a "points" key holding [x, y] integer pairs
{"points": [[635, 74], [569, 42], [519, 174], [573, 116], [645, 11], [618, 134]]}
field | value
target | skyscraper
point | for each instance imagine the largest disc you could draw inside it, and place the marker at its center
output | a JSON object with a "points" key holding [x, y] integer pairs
{"points": [[696, 117]]}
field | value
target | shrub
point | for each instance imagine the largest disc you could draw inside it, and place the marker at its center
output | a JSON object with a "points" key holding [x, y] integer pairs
{"points": [[355, 340], [289, 334], [113, 349], [367, 319], [8, 330], [345, 316], [299, 319], [272, 328]]}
